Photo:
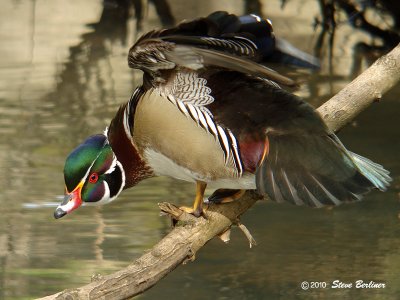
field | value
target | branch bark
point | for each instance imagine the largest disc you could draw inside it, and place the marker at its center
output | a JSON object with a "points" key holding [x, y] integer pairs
{"points": [[190, 233]]}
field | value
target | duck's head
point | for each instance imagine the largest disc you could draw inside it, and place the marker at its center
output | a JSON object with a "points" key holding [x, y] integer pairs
{"points": [[92, 175]]}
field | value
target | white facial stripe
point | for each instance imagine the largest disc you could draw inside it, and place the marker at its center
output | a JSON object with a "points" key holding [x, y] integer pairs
{"points": [[112, 167], [88, 170], [106, 197], [105, 132], [104, 200], [90, 167]]}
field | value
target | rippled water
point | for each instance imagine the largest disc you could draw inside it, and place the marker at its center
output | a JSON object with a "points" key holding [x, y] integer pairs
{"points": [[63, 74]]}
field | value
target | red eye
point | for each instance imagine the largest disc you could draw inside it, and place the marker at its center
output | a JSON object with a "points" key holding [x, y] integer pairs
{"points": [[93, 178]]}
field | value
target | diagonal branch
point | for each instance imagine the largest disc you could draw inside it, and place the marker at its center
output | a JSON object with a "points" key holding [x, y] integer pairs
{"points": [[190, 233], [362, 91]]}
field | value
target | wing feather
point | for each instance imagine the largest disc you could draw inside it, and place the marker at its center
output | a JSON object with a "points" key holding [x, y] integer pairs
{"points": [[316, 171]]}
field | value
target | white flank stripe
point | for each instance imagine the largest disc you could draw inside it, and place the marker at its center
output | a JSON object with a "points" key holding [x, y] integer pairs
{"points": [[183, 108], [193, 112], [236, 152], [172, 99], [212, 126], [225, 142], [202, 119]]}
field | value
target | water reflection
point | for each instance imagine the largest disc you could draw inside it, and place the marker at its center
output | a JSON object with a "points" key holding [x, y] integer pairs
{"points": [[63, 73]]}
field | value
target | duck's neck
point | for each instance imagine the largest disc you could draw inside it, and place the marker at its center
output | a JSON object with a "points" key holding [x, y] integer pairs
{"points": [[120, 138]]}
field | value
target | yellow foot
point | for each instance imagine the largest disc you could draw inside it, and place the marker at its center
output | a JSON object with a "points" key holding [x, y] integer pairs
{"points": [[197, 209], [195, 212]]}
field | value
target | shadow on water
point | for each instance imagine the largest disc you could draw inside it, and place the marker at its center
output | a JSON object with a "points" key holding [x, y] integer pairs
{"points": [[53, 97]]}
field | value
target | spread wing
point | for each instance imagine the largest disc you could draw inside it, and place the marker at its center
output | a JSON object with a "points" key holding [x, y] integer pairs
{"points": [[316, 171], [284, 141], [220, 40]]}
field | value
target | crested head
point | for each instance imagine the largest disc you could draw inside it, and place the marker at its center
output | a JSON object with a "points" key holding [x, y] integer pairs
{"points": [[92, 174], [104, 164]]}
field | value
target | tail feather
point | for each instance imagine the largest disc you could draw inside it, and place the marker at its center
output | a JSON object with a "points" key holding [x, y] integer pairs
{"points": [[374, 172]]}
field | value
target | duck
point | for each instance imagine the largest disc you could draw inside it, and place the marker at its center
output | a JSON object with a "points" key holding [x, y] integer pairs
{"points": [[210, 111]]}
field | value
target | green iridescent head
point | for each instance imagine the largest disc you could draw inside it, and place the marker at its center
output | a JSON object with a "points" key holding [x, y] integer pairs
{"points": [[92, 175]]}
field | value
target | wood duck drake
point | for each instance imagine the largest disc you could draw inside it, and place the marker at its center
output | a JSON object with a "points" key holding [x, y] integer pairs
{"points": [[208, 112]]}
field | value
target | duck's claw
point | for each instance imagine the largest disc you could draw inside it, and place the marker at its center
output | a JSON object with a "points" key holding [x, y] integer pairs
{"points": [[197, 212], [197, 209]]}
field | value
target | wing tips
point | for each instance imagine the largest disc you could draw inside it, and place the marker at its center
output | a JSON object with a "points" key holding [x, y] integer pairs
{"points": [[282, 186], [295, 184]]}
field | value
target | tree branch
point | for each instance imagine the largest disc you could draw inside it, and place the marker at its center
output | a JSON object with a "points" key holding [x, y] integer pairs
{"points": [[190, 233], [362, 91]]}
